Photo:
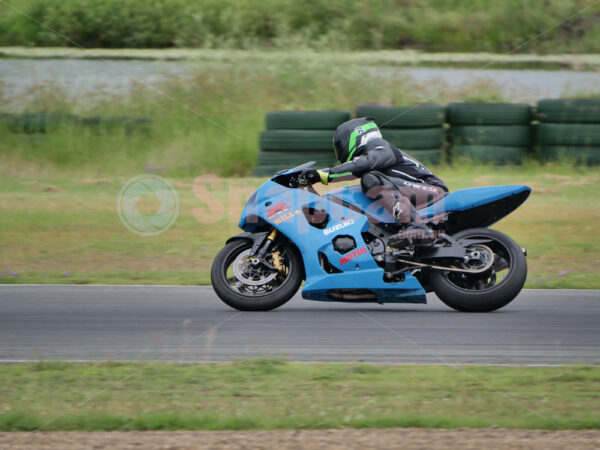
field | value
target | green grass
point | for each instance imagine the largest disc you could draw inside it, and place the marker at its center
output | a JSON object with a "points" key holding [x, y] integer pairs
{"points": [[66, 229], [432, 25], [205, 122], [58, 221], [271, 394], [398, 58]]}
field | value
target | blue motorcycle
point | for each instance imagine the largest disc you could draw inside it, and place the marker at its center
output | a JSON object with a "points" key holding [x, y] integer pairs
{"points": [[338, 244]]}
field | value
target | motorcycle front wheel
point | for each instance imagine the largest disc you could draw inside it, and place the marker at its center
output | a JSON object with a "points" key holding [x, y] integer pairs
{"points": [[489, 290], [247, 286]]}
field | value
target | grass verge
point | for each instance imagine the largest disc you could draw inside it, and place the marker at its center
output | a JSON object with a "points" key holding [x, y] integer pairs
{"points": [[273, 394], [401, 58], [63, 229], [207, 118]]}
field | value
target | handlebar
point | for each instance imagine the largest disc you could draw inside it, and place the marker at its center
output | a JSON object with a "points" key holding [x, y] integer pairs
{"points": [[294, 182]]}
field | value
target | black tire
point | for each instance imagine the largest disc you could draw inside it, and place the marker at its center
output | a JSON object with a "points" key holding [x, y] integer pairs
{"points": [[497, 135], [431, 156], [268, 171], [265, 302], [324, 158], [489, 154], [579, 155], [568, 134], [305, 120], [421, 116], [488, 299], [415, 138], [33, 123], [272, 162], [489, 113], [569, 110], [298, 140]]}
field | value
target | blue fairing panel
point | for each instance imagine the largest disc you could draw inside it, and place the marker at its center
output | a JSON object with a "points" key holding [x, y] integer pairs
{"points": [[284, 208], [471, 198], [353, 195], [461, 200]]}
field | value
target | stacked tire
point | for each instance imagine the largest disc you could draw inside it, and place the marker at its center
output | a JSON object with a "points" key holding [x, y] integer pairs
{"points": [[497, 133], [569, 129], [292, 138], [417, 130], [42, 123]]}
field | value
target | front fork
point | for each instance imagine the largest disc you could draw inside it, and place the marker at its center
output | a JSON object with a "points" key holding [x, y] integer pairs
{"points": [[260, 249]]}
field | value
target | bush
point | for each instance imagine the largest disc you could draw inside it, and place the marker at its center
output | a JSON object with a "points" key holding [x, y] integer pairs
{"points": [[435, 25]]}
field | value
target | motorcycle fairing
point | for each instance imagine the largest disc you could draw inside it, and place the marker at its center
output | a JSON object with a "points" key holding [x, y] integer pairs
{"points": [[477, 203], [285, 209]]}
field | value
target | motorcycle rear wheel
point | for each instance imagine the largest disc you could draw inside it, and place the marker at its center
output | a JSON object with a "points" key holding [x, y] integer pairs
{"points": [[247, 288], [484, 292]]}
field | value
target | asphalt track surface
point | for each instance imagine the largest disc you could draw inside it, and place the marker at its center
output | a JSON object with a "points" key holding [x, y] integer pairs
{"points": [[190, 324]]}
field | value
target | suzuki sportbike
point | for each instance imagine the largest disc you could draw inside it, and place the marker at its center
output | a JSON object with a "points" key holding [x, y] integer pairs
{"points": [[339, 245]]}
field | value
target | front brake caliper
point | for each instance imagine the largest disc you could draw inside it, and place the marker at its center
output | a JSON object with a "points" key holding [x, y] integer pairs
{"points": [[277, 261]]}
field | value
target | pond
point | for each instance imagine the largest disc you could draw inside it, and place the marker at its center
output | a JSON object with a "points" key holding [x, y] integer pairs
{"points": [[78, 78]]}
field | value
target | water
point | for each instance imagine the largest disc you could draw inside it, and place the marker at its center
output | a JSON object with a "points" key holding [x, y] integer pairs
{"points": [[513, 85], [78, 78]]}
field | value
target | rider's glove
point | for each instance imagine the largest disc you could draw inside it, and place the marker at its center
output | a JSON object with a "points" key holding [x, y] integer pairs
{"points": [[324, 176]]}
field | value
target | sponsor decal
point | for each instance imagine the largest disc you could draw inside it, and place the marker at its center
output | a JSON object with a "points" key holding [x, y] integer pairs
{"points": [[419, 186], [277, 209], [359, 130], [285, 216], [339, 226], [350, 256]]}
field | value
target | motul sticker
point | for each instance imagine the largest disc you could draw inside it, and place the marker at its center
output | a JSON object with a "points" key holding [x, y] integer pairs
{"points": [[350, 256], [339, 226]]}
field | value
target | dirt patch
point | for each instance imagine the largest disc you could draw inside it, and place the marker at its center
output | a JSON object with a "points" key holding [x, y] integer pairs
{"points": [[551, 176], [98, 181], [406, 438], [50, 188], [483, 180]]}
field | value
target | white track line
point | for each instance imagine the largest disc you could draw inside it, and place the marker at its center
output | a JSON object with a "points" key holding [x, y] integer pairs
{"points": [[209, 287], [291, 361]]}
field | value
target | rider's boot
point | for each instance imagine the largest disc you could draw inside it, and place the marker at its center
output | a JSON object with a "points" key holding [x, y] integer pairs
{"points": [[415, 233]]}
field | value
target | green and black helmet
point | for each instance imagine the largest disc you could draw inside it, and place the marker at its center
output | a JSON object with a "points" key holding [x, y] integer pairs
{"points": [[351, 137]]}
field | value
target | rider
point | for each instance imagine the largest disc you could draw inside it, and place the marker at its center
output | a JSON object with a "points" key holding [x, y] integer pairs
{"points": [[397, 181]]}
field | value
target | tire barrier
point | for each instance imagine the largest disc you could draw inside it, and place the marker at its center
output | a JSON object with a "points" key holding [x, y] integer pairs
{"points": [[568, 130], [489, 114], [292, 138], [415, 139], [421, 116], [569, 110], [305, 120], [417, 130], [496, 135], [43, 123], [490, 154], [296, 140], [568, 134], [429, 156], [491, 133]]}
